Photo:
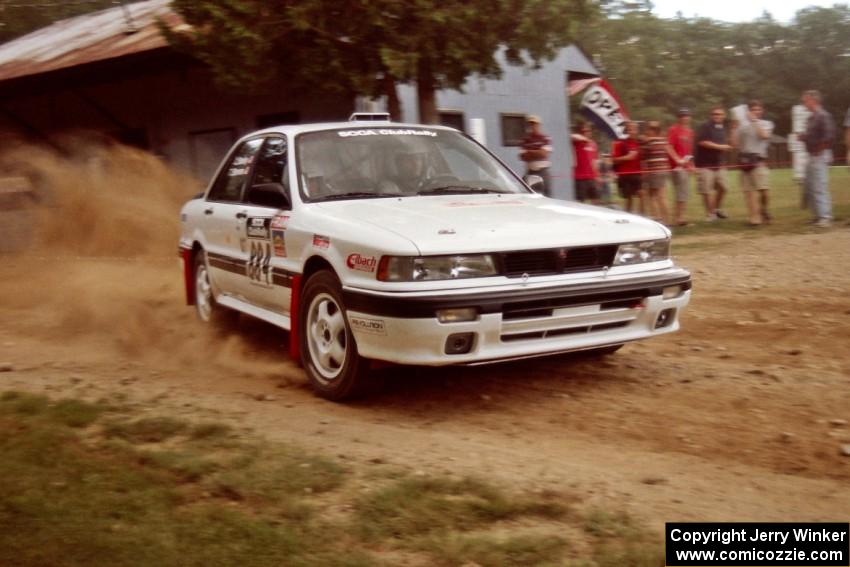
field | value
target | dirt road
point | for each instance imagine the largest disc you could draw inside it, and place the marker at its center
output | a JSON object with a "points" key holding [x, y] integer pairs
{"points": [[741, 416]]}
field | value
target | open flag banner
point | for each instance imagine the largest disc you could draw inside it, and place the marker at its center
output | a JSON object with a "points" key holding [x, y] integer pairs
{"points": [[602, 107]]}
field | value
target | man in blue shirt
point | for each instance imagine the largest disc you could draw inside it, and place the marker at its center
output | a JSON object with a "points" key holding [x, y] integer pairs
{"points": [[711, 146]]}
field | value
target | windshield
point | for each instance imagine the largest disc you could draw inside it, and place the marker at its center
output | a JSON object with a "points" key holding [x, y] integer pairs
{"points": [[361, 163]]}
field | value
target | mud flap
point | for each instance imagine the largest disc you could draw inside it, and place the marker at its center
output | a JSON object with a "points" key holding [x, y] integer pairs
{"points": [[188, 276]]}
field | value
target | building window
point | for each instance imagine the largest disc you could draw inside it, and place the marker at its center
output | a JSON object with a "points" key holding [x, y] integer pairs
{"points": [[208, 148], [452, 119], [513, 129]]}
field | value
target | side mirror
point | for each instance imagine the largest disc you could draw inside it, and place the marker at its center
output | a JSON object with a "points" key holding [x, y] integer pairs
{"points": [[535, 182], [271, 195]]}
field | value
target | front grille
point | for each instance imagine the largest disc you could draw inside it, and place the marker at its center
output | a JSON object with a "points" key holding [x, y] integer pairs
{"points": [[547, 307], [531, 262], [583, 330], [557, 260], [590, 258]]}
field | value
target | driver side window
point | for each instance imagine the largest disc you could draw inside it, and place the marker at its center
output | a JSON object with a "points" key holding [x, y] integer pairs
{"points": [[271, 163], [232, 179], [270, 184]]}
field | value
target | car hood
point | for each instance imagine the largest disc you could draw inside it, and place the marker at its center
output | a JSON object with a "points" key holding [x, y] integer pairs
{"points": [[451, 224]]}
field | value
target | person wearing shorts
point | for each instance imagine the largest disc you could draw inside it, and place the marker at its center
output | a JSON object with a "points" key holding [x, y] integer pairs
{"points": [[585, 169], [712, 145], [625, 155], [752, 138]]}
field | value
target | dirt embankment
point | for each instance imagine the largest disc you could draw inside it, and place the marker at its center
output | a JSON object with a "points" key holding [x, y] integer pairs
{"points": [[741, 416]]}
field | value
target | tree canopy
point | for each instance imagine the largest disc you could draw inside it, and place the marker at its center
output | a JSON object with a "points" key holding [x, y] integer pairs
{"points": [[658, 65], [367, 46]]}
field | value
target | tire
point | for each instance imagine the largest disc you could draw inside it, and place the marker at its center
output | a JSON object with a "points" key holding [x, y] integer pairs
{"points": [[334, 367], [206, 307]]}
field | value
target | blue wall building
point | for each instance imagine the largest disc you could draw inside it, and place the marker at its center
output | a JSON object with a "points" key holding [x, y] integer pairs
{"points": [[501, 106]]}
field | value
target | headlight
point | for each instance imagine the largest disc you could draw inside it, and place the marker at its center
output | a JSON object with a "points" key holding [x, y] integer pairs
{"points": [[640, 252], [411, 269]]}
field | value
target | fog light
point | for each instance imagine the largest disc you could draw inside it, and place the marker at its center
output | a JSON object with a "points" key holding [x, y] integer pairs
{"points": [[460, 343], [672, 291], [665, 318], [457, 315]]}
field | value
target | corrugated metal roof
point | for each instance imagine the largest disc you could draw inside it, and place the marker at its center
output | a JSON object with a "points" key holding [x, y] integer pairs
{"points": [[88, 38]]}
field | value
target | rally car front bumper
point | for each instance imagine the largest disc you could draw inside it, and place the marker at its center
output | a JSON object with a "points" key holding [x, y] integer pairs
{"points": [[515, 320]]}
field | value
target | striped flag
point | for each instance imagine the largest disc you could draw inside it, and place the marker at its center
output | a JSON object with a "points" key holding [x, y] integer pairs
{"points": [[602, 107]]}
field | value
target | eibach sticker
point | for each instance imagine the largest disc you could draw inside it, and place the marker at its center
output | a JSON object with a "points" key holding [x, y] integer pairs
{"points": [[361, 263], [279, 243], [279, 221], [320, 241]]}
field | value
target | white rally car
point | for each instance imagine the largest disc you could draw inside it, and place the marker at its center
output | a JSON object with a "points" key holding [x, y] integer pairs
{"points": [[375, 241]]}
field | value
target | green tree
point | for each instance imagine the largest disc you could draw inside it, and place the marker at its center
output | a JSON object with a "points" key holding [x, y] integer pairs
{"points": [[367, 46], [818, 56], [657, 65]]}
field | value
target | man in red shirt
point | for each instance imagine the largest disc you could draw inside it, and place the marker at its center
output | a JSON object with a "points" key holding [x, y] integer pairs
{"points": [[681, 140], [585, 169], [625, 154]]}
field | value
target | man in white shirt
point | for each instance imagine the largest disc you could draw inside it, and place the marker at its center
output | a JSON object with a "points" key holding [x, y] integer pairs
{"points": [[752, 137]]}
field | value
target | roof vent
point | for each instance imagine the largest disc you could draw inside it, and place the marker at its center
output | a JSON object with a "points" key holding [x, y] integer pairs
{"points": [[369, 117]]}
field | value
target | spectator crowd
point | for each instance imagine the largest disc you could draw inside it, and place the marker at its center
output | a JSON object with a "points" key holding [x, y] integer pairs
{"points": [[648, 160]]}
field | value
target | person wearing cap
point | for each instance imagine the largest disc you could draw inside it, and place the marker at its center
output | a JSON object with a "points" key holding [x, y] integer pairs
{"points": [[680, 139], [536, 148]]}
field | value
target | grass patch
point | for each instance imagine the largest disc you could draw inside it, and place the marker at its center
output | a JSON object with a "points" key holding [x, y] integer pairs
{"points": [[417, 507], [619, 542], [25, 404], [76, 413], [519, 551], [269, 473], [73, 413], [147, 430], [210, 431], [111, 495], [788, 217], [76, 501]]}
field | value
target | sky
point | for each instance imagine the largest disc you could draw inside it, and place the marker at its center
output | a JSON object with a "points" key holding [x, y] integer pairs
{"points": [[734, 10]]}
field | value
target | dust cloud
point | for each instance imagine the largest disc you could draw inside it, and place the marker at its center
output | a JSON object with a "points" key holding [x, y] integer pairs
{"points": [[101, 269]]}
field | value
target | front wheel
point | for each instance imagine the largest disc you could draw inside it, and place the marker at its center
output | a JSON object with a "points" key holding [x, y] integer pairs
{"points": [[334, 367]]}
